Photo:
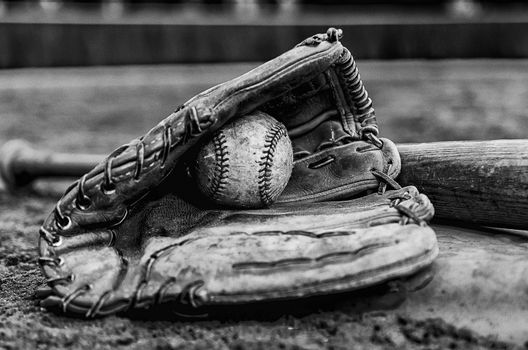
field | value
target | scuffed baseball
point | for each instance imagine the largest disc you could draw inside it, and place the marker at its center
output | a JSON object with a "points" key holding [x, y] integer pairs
{"points": [[247, 163]]}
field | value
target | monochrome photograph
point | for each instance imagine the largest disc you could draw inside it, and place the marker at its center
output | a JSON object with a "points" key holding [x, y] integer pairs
{"points": [[263, 174]]}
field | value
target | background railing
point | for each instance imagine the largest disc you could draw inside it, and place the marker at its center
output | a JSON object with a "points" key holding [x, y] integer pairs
{"points": [[79, 33]]}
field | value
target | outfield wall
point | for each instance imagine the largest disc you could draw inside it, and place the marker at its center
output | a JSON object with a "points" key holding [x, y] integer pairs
{"points": [[47, 44]]}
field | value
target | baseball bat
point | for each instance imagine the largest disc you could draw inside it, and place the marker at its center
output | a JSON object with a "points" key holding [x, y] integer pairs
{"points": [[21, 164], [480, 182]]}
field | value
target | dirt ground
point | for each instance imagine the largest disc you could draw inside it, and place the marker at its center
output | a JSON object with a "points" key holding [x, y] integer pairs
{"points": [[97, 109]]}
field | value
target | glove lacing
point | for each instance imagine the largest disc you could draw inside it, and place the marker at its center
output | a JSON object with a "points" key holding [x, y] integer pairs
{"points": [[365, 115], [194, 125]]}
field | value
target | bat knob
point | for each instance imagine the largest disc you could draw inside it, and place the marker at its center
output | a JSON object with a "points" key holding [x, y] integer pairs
{"points": [[10, 154]]}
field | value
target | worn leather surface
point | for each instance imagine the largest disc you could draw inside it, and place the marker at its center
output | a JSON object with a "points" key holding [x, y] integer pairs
{"points": [[340, 172], [135, 232], [225, 257]]}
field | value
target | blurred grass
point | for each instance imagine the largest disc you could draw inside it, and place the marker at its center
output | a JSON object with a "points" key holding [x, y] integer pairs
{"points": [[97, 109]]}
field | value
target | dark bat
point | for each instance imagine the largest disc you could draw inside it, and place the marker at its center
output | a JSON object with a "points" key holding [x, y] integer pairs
{"points": [[480, 182], [21, 164]]}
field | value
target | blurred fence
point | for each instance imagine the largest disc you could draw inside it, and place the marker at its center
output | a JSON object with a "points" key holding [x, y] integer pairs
{"points": [[54, 33]]}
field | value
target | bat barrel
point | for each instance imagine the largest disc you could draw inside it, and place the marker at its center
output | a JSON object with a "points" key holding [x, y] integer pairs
{"points": [[21, 164], [481, 182]]}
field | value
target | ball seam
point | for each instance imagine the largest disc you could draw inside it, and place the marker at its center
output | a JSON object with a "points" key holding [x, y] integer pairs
{"points": [[271, 140], [221, 168]]}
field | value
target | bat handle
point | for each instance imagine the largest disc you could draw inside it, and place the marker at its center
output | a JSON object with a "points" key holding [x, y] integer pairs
{"points": [[21, 164]]}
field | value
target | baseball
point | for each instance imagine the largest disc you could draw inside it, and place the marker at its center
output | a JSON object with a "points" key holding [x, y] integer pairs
{"points": [[247, 163]]}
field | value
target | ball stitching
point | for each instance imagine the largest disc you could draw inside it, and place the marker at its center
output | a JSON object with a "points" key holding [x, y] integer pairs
{"points": [[221, 168], [271, 140]]}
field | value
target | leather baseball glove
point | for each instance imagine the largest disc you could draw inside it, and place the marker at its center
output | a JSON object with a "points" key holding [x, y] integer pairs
{"points": [[133, 232]]}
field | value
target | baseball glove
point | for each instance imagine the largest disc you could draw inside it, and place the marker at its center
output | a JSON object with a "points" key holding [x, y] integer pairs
{"points": [[133, 232]]}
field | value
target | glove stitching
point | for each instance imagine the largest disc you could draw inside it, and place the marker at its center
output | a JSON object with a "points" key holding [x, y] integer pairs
{"points": [[46, 260], [383, 177], [140, 156], [62, 221], [304, 233], [136, 299], [82, 201], [361, 102], [188, 294], [50, 238], [322, 162], [271, 140], [96, 307], [305, 260], [410, 214], [66, 278], [167, 142], [67, 299], [329, 192], [383, 184], [163, 289], [193, 127], [108, 187]]}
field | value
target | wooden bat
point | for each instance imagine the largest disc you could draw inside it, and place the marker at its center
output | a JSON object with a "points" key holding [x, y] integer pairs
{"points": [[479, 182], [21, 164]]}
